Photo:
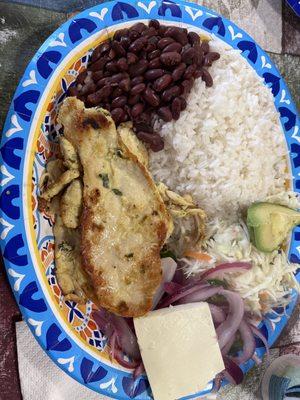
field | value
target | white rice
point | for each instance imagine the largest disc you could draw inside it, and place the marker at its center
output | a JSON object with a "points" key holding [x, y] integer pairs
{"points": [[227, 149]]}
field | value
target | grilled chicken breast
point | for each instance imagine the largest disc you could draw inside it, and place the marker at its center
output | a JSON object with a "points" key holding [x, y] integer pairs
{"points": [[124, 220]]}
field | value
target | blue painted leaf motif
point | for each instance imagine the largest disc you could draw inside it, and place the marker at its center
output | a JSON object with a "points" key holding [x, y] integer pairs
{"points": [[11, 251], [294, 259], [53, 342], [120, 8], [7, 152], [215, 23], [297, 234], [87, 373], [78, 25], [172, 7], [6, 201], [21, 102], [290, 117], [273, 81], [297, 184], [28, 302], [133, 388], [43, 63], [295, 149], [250, 47], [264, 331]]}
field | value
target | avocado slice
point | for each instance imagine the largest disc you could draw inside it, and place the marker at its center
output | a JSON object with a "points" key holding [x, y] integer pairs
{"points": [[269, 225]]}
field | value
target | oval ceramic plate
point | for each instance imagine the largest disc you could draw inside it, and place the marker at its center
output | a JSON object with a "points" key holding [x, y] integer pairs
{"points": [[64, 329]]}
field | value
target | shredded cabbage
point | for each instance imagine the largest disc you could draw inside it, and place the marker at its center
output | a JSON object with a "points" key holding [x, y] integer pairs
{"points": [[269, 282]]}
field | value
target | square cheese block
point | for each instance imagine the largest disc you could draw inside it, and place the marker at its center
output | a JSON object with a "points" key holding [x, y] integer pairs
{"points": [[179, 349]]}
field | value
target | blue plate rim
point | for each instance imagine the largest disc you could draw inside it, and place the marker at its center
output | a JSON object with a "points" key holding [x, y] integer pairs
{"points": [[213, 24]]}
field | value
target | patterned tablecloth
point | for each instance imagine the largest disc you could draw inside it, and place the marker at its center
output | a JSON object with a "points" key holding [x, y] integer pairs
{"points": [[25, 24]]}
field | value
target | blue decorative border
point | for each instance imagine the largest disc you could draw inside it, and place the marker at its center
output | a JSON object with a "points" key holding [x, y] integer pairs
{"points": [[27, 289]]}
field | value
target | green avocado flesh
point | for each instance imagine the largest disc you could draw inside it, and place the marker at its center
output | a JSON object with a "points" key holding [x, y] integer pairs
{"points": [[269, 224]]}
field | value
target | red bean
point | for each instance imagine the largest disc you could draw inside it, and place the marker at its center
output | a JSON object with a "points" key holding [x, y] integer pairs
{"points": [[170, 58], [154, 54], [210, 58], [193, 38], [117, 77], [153, 40], [132, 58], [125, 42], [198, 74], [133, 35], [97, 75], [150, 47], [88, 89], [99, 65], [137, 109], [176, 108], [153, 139], [125, 84], [155, 63], [122, 64], [162, 83], [205, 47], [152, 74], [138, 44], [137, 89], [101, 94], [143, 123], [165, 114], [189, 72], [116, 92], [112, 66], [173, 47], [168, 94], [100, 50], [121, 33], [132, 100], [178, 71], [139, 27], [177, 34], [72, 91], [151, 97], [117, 114], [206, 77], [138, 69], [137, 80], [103, 81], [149, 32], [81, 77], [186, 86], [183, 103], [188, 55], [154, 23], [112, 54], [162, 43], [198, 58], [116, 46], [119, 102]]}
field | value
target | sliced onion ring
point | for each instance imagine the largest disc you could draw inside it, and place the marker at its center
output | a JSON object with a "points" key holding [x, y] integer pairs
{"points": [[228, 328], [248, 344], [258, 334], [219, 270], [218, 315], [169, 267], [182, 293]]}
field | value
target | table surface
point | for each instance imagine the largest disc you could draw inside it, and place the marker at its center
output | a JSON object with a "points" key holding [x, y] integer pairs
{"points": [[25, 24]]}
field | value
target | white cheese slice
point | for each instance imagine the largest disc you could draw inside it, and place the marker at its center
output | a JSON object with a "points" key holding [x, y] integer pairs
{"points": [[179, 349]]}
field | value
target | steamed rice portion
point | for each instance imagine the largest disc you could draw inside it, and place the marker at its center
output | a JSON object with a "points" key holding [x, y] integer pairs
{"points": [[227, 149]]}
